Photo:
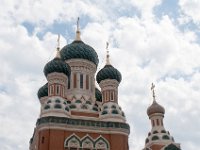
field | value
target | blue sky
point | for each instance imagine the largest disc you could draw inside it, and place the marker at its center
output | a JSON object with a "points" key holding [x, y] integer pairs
{"points": [[150, 41]]}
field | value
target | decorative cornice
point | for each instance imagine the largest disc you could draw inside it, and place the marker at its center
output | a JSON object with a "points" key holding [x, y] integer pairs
{"points": [[85, 123]]}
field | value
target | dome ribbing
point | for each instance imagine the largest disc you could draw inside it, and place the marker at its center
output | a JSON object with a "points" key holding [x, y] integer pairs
{"points": [[79, 49], [108, 72]]}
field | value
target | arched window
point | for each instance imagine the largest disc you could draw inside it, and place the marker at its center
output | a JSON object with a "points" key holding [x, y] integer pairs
{"points": [[66, 108], [72, 106], [113, 107], [84, 107], [72, 143], [165, 137], [155, 138], [88, 102], [78, 101], [95, 108], [163, 131], [87, 143], [104, 112], [101, 143], [57, 106], [154, 132], [47, 107], [115, 112], [57, 101]]}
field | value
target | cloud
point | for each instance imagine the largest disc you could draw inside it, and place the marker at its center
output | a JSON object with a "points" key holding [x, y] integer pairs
{"points": [[144, 49], [190, 8]]}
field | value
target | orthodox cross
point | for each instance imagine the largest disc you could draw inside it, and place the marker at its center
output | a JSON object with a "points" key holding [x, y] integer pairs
{"points": [[107, 56], [153, 91]]}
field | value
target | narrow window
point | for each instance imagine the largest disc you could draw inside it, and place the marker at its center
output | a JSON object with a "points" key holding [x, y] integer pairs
{"points": [[162, 122], [42, 139], [107, 95], [91, 84], [57, 89], [51, 90], [75, 84], [81, 81], [68, 86], [103, 93], [87, 82], [63, 94], [111, 96], [153, 123], [157, 122]]}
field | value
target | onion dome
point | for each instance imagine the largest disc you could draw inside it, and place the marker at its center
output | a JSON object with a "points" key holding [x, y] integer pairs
{"points": [[79, 50], [98, 95], [43, 91], [155, 108], [57, 65], [108, 72]]}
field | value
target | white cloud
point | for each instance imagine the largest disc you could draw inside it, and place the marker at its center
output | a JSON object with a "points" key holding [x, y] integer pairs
{"points": [[146, 7], [190, 8], [144, 51]]}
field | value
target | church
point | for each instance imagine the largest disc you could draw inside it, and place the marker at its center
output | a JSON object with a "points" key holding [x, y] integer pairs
{"points": [[76, 115]]}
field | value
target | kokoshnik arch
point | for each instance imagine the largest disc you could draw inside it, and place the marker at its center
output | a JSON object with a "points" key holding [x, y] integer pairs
{"points": [[76, 115]]}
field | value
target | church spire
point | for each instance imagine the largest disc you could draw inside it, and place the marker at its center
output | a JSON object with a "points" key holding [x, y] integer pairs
{"points": [[58, 47], [107, 55], [78, 33]]}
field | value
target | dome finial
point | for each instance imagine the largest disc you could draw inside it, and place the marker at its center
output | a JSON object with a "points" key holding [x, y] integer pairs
{"points": [[78, 33], [153, 91], [107, 55], [58, 47]]}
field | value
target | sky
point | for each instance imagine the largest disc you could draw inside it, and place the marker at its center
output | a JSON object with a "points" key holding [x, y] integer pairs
{"points": [[149, 41]]}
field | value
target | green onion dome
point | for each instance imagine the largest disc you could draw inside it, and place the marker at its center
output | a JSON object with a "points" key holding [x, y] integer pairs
{"points": [[155, 108], [57, 65], [43, 91], [98, 95], [108, 72], [78, 49]]}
